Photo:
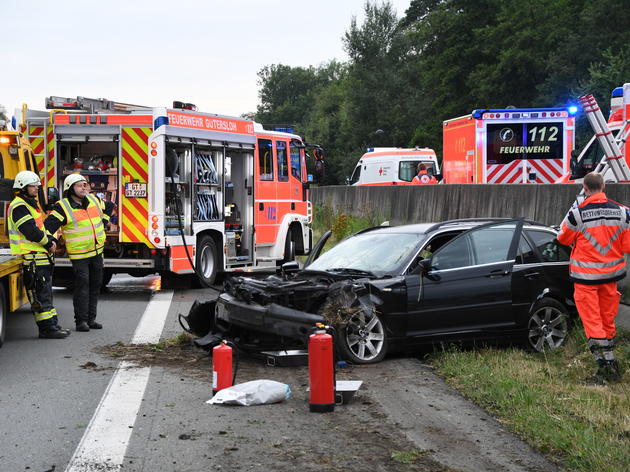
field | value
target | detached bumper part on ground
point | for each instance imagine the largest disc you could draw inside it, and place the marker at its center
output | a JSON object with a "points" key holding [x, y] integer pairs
{"points": [[271, 319]]}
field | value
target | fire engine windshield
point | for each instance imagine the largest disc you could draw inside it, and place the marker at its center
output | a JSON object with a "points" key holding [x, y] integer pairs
{"points": [[507, 142]]}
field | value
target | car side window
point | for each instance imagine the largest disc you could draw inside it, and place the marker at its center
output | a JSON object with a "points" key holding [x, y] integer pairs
{"points": [[491, 244], [550, 249], [526, 254], [453, 255]]}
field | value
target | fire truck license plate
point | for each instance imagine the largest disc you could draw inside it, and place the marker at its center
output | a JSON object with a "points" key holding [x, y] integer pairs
{"points": [[136, 190]]}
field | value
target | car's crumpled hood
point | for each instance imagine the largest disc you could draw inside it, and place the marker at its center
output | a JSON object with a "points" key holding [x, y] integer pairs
{"points": [[336, 298]]}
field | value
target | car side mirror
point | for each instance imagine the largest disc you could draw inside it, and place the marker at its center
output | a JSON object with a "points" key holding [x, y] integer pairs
{"points": [[290, 267]]}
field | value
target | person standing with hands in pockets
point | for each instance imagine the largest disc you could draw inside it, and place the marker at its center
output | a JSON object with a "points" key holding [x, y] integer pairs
{"points": [[599, 231], [82, 218]]}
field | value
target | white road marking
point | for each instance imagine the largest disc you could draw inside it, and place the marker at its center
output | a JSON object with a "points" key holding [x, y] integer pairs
{"points": [[152, 322], [105, 441]]}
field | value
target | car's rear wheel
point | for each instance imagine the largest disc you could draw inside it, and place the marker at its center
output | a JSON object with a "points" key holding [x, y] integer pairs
{"points": [[362, 340], [547, 326]]}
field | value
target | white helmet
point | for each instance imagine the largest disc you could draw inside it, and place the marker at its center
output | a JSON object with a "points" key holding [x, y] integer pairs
{"points": [[24, 178], [71, 180]]}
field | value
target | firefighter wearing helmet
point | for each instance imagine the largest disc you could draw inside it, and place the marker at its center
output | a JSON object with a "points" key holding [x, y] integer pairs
{"points": [[82, 218], [29, 238]]}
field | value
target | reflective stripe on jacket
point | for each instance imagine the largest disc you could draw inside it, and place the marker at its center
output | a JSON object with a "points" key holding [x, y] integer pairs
{"points": [[83, 232], [423, 178], [599, 231], [18, 242]]}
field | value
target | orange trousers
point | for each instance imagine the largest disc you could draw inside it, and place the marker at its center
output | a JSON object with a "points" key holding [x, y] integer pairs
{"points": [[598, 306]]}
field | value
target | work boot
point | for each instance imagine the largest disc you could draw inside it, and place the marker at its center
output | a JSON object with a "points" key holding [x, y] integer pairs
{"points": [[53, 334], [599, 377], [83, 326], [94, 325], [59, 328], [611, 371]]}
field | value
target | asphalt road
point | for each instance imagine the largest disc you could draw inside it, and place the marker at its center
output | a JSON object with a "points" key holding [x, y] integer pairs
{"points": [[65, 407]]}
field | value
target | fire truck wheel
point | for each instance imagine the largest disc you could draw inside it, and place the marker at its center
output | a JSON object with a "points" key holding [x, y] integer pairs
{"points": [[3, 314], [207, 261], [363, 339], [289, 249]]}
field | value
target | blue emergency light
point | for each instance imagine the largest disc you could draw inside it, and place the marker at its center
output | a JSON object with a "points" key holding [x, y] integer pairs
{"points": [[617, 92], [284, 130], [573, 109], [159, 121]]}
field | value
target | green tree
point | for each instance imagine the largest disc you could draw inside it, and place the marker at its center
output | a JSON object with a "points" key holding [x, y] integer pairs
{"points": [[377, 89]]}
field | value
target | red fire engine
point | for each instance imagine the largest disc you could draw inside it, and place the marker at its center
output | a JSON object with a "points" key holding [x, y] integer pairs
{"points": [[221, 192], [508, 146]]}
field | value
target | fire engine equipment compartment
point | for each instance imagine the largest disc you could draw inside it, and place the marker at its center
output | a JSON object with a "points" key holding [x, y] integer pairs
{"points": [[211, 184], [177, 189], [238, 205]]}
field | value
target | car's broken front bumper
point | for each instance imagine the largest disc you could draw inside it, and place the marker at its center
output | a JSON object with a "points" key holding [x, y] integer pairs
{"points": [[271, 319]]}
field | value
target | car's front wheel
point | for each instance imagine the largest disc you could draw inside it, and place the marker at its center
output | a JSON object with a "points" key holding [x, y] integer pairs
{"points": [[547, 326], [362, 340]]}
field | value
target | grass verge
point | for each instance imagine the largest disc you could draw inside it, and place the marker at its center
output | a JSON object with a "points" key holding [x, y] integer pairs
{"points": [[544, 399]]}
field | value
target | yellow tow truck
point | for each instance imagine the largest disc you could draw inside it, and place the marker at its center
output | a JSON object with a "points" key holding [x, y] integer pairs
{"points": [[16, 155]]}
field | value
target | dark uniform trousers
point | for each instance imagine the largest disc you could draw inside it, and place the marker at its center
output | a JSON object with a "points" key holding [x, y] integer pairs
{"points": [[88, 276], [38, 280]]}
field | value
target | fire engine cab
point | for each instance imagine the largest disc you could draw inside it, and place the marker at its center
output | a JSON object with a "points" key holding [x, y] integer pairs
{"points": [[194, 192], [509, 146]]}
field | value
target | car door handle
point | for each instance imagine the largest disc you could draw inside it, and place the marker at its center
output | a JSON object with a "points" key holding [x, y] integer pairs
{"points": [[532, 275], [498, 273]]}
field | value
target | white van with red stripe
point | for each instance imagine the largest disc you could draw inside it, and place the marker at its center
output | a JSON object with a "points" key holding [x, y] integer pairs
{"points": [[392, 166]]}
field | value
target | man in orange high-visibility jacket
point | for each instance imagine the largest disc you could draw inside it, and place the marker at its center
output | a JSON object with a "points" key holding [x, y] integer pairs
{"points": [[599, 231], [423, 177]]}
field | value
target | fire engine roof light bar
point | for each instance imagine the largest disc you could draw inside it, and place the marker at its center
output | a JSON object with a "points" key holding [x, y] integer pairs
{"points": [[479, 113]]}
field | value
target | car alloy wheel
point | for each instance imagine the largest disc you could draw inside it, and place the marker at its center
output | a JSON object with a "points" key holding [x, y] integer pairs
{"points": [[363, 338], [547, 326]]}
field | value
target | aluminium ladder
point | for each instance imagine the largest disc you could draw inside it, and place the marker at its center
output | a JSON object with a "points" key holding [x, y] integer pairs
{"points": [[613, 158]]}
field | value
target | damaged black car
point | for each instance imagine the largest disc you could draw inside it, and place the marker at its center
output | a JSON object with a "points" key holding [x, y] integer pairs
{"points": [[389, 288]]}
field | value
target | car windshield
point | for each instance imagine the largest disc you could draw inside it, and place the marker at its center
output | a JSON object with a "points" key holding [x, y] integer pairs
{"points": [[377, 253]]}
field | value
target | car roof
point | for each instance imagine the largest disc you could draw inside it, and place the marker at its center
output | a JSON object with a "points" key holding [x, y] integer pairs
{"points": [[461, 224]]}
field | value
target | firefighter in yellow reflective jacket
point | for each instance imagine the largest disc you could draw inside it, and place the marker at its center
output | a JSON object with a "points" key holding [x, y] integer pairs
{"points": [[27, 237], [82, 218]]}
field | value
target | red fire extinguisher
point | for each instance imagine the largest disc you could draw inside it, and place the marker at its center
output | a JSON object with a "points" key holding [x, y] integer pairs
{"points": [[221, 367], [321, 371]]}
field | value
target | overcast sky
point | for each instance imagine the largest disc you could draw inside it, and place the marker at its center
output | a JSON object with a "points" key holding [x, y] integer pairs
{"points": [[154, 52]]}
